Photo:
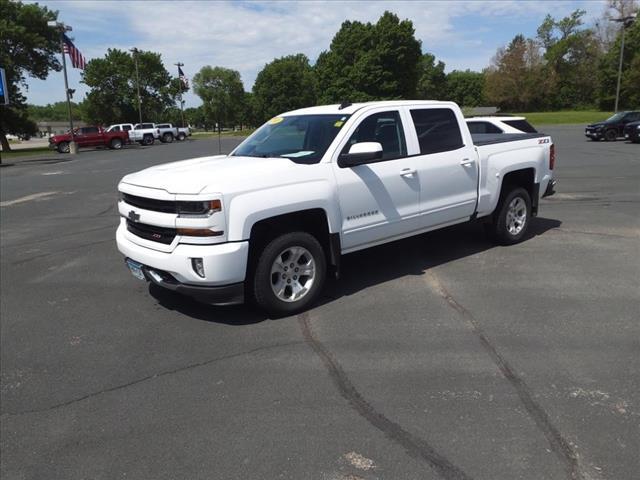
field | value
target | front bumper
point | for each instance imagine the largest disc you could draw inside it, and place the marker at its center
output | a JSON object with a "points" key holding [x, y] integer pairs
{"points": [[225, 266], [593, 134]]}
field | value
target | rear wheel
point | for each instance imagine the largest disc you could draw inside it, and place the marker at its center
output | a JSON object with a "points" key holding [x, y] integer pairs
{"points": [[63, 147], [511, 222], [115, 144], [289, 273], [167, 138], [610, 135]]}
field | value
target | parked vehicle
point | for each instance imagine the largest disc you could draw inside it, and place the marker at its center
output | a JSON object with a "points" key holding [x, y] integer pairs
{"points": [[271, 220], [499, 124], [89, 137], [120, 127], [168, 132], [632, 132], [144, 133], [612, 128]]}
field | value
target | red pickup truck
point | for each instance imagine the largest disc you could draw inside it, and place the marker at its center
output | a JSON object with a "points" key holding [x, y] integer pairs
{"points": [[89, 137]]}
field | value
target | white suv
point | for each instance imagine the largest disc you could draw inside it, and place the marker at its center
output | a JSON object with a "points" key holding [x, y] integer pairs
{"points": [[499, 124]]}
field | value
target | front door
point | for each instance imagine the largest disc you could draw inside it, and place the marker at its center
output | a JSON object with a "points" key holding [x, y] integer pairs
{"points": [[377, 198]]}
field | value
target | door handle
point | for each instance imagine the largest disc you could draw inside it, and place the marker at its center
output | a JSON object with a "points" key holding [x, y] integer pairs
{"points": [[465, 162], [407, 172]]}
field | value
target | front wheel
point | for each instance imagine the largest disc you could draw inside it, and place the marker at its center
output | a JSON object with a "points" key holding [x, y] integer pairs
{"points": [[63, 147], [512, 220], [167, 138], [610, 135], [289, 273], [115, 144], [147, 140], [181, 136]]}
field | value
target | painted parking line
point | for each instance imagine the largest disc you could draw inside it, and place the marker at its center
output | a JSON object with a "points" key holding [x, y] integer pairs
{"points": [[27, 198]]}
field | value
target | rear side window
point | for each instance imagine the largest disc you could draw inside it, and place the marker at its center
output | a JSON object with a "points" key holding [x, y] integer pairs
{"points": [[521, 125], [163, 125], [115, 129], [144, 126], [126, 128], [483, 127], [437, 129], [89, 130], [384, 128]]}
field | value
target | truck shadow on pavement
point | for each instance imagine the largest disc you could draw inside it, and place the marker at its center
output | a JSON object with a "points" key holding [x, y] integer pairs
{"points": [[363, 269]]}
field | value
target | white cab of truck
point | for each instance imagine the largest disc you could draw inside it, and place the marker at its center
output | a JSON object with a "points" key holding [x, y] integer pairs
{"points": [[270, 221]]}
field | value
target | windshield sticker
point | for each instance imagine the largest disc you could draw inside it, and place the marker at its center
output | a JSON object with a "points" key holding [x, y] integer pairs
{"points": [[302, 153], [275, 120]]}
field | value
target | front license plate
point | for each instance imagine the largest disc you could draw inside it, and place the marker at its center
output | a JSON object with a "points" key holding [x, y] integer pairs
{"points": [[136, 269]]}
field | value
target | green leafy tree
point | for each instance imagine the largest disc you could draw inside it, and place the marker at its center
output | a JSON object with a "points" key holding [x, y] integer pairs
{"points": [[465, 88], [54, 112], [249, 114], [286, 83], [608, 71], [432, 81], [370, 61], [28, 47], [222, 94], [113, 95]]}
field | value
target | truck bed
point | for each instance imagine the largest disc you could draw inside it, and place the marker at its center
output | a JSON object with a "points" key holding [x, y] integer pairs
{"points": [[491, 138]]}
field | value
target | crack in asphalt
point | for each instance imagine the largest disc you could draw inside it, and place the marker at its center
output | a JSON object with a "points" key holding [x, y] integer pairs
{"points": [[62, 250], [560, 446], [148, 378], [64, 235], [600, 234], [413, 445]]}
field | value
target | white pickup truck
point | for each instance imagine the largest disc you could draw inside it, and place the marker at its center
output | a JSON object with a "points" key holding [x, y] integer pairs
{"points": [[270, 221], [168, 132], [143, 133]]}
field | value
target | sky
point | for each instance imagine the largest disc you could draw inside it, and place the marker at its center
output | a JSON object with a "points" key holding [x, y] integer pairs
{"points": [[246, 35]]}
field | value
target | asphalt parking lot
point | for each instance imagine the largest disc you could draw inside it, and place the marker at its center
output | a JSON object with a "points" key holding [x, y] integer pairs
{"points": [[437, 357]]}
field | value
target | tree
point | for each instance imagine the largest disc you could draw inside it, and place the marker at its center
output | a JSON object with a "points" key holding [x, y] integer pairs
{"points": [[54, 112], [287, 83], [432, 81], [113, 96], [27, 47], [222, 94], [517, 79], [370, 61], [465, 88]]}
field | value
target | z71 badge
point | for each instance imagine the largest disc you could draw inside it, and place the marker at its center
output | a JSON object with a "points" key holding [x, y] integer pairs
{"points": [[543, 140]]}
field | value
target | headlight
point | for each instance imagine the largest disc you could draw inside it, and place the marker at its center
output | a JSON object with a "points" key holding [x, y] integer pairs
{"points": [[198, 209], [638, 127]]}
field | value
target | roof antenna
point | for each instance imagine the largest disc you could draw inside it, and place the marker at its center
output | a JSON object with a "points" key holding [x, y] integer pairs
{"points": [[344, 104]]}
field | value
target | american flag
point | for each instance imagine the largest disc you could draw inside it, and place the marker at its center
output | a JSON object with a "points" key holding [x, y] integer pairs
{"points": [[183, 78], [77, 60]]}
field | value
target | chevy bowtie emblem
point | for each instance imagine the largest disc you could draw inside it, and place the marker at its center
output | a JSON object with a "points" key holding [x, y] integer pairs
{"points": [[133, 216]]}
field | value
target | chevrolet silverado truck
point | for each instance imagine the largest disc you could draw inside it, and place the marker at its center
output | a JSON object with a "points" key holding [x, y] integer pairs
{"points": [[144, 133], [270, 221], [167, 132], [89, 137], [612, 128]]}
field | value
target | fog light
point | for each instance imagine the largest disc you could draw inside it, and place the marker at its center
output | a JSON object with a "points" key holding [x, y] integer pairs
{"points": [[198, 266]]}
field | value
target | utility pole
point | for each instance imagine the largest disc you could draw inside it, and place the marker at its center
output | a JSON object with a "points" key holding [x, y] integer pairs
{"points": [[626, 22], [61, 27], [179, 64], [135, 52]]}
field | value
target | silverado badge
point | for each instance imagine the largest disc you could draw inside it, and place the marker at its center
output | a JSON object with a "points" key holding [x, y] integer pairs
{"points": [[133, 216]]}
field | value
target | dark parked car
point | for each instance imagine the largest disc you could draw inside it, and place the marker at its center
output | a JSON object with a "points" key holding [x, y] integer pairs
{"points": [[612, 128], [632, 132]]}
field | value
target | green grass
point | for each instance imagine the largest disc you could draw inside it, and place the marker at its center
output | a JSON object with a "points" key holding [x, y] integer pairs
{"points": [[568, 117], [25, 152]]}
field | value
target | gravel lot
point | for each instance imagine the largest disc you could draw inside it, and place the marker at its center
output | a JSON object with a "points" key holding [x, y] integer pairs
{"points": [[438, 357]]}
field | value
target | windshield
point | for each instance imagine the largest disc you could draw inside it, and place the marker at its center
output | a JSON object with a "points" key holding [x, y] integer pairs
{"points": [[300, 138], [615, 118]]}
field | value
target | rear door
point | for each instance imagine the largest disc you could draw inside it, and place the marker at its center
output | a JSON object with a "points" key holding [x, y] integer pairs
{"points": [[377, 199], [447, 166], [91, 136]]}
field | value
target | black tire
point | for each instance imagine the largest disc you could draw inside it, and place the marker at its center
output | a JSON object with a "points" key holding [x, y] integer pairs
{"points": [[167, 138], [611, 135], [115, 144], [148, 140], [181, 136], [593, 139], [63, 147], [263, 279], [505, 231]]}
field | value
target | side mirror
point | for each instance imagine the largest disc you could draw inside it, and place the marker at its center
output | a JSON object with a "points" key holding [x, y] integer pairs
{"points": [[360, 153]]}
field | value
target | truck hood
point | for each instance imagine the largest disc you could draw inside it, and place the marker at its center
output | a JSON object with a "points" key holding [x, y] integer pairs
{"points": [[597, 124], [219, 174]]}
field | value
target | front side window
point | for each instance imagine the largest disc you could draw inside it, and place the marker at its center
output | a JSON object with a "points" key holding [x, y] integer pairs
{"points": [[115, 129], [483, 127], [437, 129], [300, 138], [384, 128]]}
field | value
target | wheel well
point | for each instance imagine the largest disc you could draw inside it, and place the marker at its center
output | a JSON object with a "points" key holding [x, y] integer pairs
{"points": [[313, 221], [524, 178]]}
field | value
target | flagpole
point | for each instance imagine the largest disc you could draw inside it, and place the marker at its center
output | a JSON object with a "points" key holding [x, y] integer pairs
{"points": [[66, 28], [179, 64]]}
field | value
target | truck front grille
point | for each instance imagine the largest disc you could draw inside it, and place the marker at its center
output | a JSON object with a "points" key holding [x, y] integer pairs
{"points": [[164, 206], [151, 232]]}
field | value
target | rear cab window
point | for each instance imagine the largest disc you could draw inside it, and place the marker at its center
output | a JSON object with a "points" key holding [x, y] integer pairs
{"points": [[483, 127], [437, 130], [521, 125]]}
